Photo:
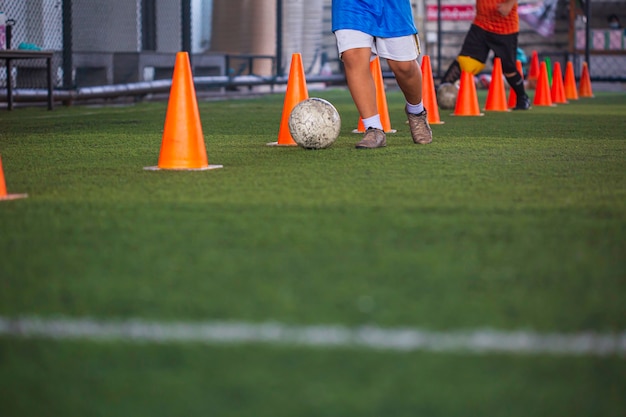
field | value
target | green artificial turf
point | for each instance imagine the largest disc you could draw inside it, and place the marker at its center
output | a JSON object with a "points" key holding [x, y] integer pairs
{"points": [[508, 221]]}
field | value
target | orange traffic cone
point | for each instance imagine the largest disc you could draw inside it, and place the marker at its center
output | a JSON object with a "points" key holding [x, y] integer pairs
{"points": [[182, 146], [557, 93], [296, 92], [542, 92], [3, 188], [381, 98], [584, 88], [533, 71], [571, 92], [467, 100], [512, 95], [360, 127], [429, 96], [496, 95]]}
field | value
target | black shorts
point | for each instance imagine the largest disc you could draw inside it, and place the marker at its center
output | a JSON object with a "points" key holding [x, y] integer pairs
{"points": [[478, 42]]}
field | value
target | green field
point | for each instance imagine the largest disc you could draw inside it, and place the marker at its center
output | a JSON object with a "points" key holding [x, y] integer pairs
{"points": [[511, 221]]}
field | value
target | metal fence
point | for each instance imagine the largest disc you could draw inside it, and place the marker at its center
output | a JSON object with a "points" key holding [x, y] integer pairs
{"points": [[98, 42], [111, 42], [32, 25]]}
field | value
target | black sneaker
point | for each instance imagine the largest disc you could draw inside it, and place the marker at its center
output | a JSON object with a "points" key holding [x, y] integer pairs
{"points": [[523, 103]]}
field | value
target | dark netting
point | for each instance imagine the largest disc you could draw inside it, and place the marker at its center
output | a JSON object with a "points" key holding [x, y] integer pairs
{"points": [[32, 25], [119, 42], [95, 42]]}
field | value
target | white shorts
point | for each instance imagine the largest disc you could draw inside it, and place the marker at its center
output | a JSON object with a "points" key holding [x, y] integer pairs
{"points": [[404, 48]]}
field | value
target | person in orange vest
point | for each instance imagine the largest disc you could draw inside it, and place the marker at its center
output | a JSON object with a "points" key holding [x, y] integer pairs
{"points": [[494, 28]]}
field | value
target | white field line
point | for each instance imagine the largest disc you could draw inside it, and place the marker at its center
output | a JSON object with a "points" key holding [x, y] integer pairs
{"points": [[322, 336]]}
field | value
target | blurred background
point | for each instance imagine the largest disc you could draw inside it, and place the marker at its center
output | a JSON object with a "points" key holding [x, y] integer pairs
{"points": [[117, 42]]}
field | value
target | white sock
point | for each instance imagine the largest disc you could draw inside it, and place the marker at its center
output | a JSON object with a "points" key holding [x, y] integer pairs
{"points": [[415, 108], [373, 121]]}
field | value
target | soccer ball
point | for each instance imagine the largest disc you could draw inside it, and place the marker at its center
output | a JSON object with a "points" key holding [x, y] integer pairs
{"points": [[484, 80], [446, 96], [314, 123]]}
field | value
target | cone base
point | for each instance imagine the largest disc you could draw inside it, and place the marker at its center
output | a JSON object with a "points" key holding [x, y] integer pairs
{"points": [[206, 168], [363, 131], [13, 196], [498, 110], [438, 122], [281, 144]]}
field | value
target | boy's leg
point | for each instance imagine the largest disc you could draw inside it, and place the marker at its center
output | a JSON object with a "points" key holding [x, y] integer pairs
{"points": [[401, 54], [505, 48], [355, 49], [363, 90], [472, 57], [360, 82], [453, 73], [409, 78]]}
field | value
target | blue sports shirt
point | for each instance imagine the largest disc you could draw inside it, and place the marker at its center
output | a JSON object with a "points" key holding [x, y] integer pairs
{"points": [[380, 18]]}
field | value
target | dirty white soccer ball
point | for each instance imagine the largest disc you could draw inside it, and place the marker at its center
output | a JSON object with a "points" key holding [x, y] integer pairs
{"points": [[446, 96], [314, 123]]}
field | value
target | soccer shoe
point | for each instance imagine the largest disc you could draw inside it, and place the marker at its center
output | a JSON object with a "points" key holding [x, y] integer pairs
{"points": [[523, 103], [420, 129], [373, 138]]}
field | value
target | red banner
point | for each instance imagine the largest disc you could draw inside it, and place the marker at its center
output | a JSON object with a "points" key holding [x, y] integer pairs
{"points": [[451, 12]]}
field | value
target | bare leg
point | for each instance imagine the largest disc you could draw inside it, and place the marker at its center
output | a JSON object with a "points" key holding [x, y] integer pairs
{"points": [[409, 77], [360, 82]]}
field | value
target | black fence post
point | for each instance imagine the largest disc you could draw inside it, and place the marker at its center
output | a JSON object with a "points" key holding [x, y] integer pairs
{"points": [[587, 6], [279, 38], [186, 25], [67, 44], [439, 40]]}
